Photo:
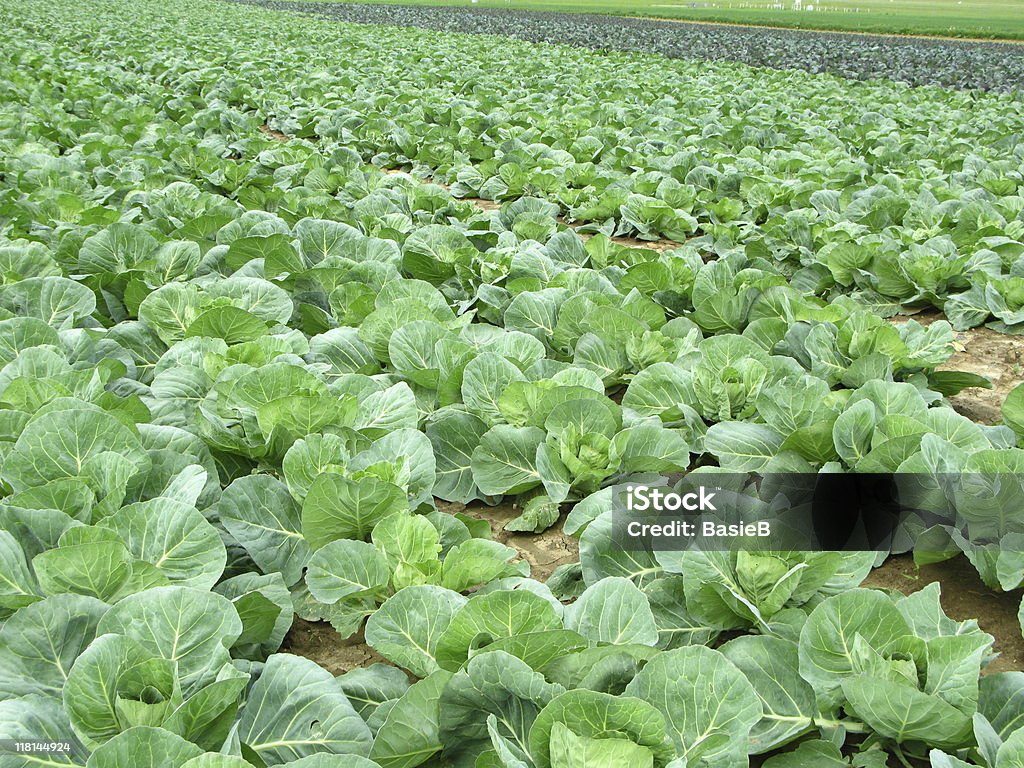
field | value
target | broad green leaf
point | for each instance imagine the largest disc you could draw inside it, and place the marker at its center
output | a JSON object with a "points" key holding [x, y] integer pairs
{"points": [[275, 606], [369, 687], [826, 641], [407, 538], [1013, 410], [57, 301], [484, 380], [741, 446], [408, 626], [1001, 701], [116, 684], [412, 350], [569, 750], [590, 714], [206, 718], [492, 683], [60, 443], [18, 587], [383, 413], [232, 324], [772, 666], [99, 569], [295, 710], [337, 507], [347, 568], [708, 704], [323, 760], [310, 457], [117, 248], [539, 514], [39, 718], [409, 734], [613, 611], [505, 461], [659, 388], [454, 436], [1011, 753], [479, 561], [191, 628], [212, 760], [259, 513], [902, 713], [676, 625], [491, 617], [144, 747], [815, 753], [175, 538], [539, 649], [39, 643], [602, 556]]}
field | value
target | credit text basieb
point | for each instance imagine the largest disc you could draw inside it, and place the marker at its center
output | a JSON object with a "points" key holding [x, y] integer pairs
{"points": [[643, 498]]}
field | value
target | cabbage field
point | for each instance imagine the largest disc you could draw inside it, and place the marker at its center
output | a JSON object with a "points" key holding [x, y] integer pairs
{"points": [[325, 348], [915, 60]]}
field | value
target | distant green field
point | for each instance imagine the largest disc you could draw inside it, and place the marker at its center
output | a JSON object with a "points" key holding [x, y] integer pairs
{"points": [[997, 19]]}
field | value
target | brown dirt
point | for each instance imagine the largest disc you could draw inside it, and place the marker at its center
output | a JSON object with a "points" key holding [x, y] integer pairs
{"points": [[318, 641], [964, 596], [997, 356], [543, 551], [276, 135], [483, 205]]}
